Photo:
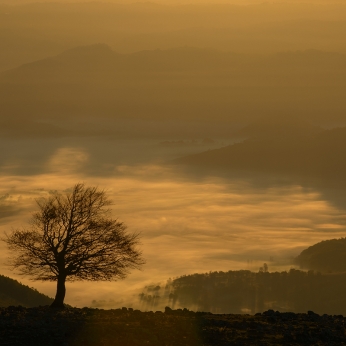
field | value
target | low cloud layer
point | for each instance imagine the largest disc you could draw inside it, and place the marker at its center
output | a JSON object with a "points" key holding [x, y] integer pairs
{"points": [[186, 225]]}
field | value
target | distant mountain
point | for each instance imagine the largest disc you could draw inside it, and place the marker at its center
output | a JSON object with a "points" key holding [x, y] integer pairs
{"points": [[100, 59], [271, 149], [72, 66], [182, 84], [31, 128], [14, 293], [274, 128], [325, 256], [309, 58], [90, 63]]}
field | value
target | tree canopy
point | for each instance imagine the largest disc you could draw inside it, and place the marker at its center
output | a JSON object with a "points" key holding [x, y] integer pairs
{"points": [[72, 237]]}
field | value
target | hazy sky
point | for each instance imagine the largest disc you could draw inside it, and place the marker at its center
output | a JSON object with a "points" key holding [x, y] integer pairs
{"points": [[171, 2]]}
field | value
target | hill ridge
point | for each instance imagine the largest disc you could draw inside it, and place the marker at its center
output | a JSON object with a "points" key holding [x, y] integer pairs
{"points": [[13, 292]]}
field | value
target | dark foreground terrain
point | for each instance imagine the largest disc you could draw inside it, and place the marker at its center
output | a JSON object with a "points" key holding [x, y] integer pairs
{"points": [[71, 326]]}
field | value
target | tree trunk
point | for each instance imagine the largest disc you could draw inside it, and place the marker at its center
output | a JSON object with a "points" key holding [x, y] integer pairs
{"points": [[60, 293]]}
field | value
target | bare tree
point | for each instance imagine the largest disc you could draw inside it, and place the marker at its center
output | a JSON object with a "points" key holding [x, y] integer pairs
{"points": [[73, 238]]}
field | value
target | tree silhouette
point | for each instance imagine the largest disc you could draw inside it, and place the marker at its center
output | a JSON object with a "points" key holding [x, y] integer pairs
{"points": [[73, 238]]}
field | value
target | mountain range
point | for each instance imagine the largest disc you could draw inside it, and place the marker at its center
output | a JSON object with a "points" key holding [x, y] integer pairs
{"points": [[182, 85], [99, 61]]}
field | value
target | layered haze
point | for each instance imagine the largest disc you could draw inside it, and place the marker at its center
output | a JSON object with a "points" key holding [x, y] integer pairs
{"points": [[217, 129], [188, 222]]}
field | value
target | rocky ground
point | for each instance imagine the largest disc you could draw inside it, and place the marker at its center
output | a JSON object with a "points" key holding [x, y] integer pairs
{"points": [[127, 327]]}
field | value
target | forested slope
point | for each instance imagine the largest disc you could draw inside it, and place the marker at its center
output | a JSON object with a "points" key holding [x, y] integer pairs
{"points": [[14, 293], [325, 256], [249, 292]]}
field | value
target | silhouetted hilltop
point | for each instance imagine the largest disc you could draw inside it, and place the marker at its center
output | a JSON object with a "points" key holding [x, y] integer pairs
{"points": [[14, 293], [243, 291], [325, 256], [272, 149]]}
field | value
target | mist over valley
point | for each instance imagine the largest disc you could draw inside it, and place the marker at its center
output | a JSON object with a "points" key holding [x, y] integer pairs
{"points": [[218, 130]]}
